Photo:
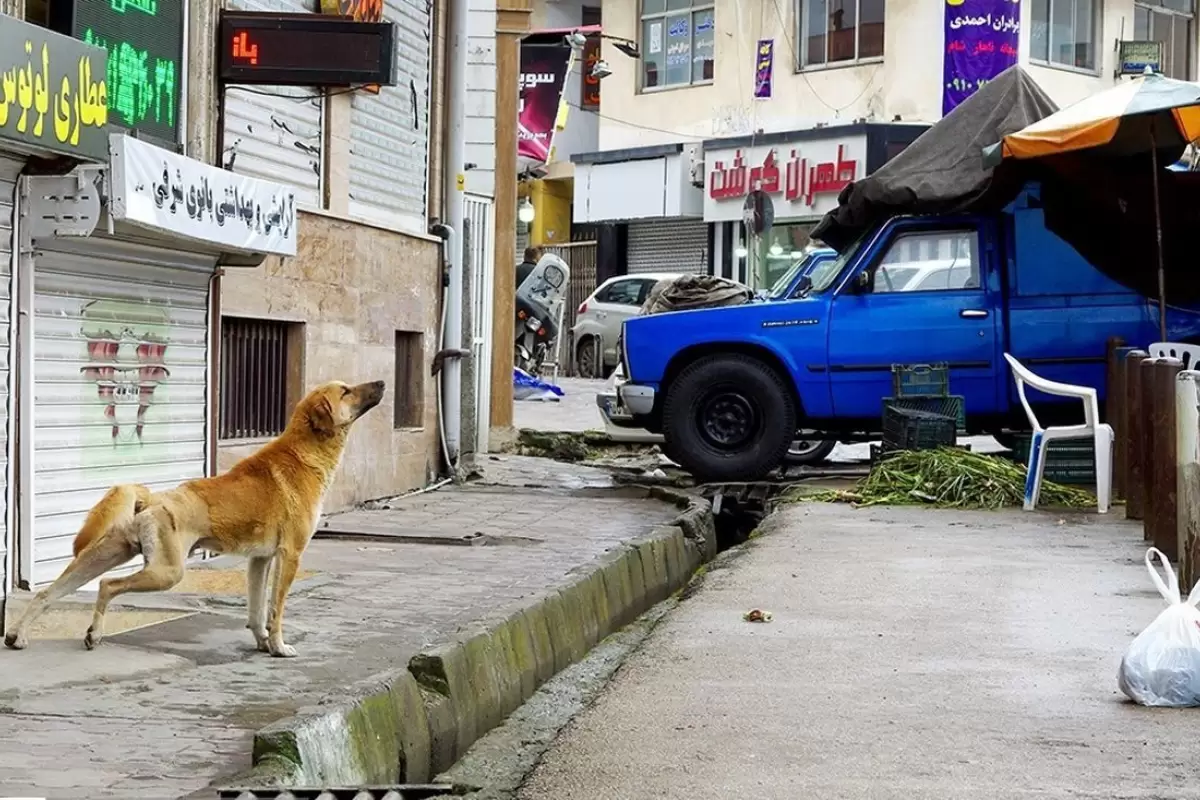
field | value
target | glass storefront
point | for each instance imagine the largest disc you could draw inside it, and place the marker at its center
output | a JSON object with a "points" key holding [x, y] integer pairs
{"points": [[776, 251]]}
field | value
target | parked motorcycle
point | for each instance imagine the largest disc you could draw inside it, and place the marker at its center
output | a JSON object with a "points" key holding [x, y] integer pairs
{"points": [[540, 299]]}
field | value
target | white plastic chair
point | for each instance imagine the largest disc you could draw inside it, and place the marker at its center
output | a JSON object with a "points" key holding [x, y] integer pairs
{"points": [[1189, 354], [1092, 427]]}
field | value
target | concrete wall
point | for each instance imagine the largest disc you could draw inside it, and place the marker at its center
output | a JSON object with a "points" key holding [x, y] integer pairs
{"points": [[905, 84], [353, 286]]}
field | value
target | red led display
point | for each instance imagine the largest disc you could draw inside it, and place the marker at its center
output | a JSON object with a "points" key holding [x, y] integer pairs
{"points": [[305, 50]]}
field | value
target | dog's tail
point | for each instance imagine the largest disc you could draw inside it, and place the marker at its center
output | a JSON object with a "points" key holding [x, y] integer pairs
{"points": [[116, 509]]}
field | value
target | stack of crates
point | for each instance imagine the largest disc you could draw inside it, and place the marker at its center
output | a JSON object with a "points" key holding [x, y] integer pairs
{"points": [[921, 414]]}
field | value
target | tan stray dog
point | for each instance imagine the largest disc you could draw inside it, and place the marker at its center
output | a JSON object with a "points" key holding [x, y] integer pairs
{"points": [[265, 508]]}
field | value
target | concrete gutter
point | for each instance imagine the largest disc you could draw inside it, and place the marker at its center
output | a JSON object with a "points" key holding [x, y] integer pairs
{"points": [[414, 723]]}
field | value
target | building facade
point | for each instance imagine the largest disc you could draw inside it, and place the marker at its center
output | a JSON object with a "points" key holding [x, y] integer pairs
{"points": [[850, 82], [360, 300], [155, 330], [113, 238]]}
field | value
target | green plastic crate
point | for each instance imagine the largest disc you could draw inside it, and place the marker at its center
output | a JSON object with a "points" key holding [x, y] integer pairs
{"points": [[1072, 463], [950, 406]]}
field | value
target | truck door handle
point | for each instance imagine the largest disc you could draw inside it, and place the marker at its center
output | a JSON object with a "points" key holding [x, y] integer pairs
{"points": [[973, 313]]}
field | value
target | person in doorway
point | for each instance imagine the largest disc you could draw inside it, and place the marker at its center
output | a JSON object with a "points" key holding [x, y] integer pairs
{"points": [[532, 254]]}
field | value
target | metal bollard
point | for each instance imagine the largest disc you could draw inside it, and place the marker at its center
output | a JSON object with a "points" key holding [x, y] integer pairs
{"points": [[1116, 400], [1161, 526], [1187, 478], [1135, 444]]}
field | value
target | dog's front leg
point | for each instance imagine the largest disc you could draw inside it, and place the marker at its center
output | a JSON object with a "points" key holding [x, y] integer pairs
{"points": [[256, 599], [288, 562]]}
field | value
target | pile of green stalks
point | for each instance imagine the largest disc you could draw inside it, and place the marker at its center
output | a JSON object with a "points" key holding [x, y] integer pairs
{"points": [[951, 478]]}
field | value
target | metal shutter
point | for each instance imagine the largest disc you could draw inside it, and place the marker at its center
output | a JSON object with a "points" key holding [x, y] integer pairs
{"points": [[668, 245], [389, 132], [277, 133], [8, 177], [120, 379]]}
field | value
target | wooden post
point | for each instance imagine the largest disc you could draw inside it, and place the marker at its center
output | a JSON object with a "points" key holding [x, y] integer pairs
{"points": [[512, 22], [1162, 527], [1134, 435], [1116, 401], [1187, 478], [1114, 344]]}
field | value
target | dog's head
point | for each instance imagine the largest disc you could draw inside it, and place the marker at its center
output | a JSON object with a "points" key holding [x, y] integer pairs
{"points": [[333, 407]]}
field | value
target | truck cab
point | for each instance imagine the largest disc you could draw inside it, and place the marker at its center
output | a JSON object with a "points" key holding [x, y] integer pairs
{"points": [[729, 387]]}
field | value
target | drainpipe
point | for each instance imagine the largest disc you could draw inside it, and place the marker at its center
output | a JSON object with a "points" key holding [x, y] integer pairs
{"points": [[455, 177]]}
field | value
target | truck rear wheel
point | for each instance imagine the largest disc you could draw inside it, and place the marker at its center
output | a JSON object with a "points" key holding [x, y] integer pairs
{"points": [[728, 418]]}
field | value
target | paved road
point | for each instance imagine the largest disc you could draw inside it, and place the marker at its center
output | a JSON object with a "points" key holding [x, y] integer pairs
{"points": [[912, 655], [576, 412]]}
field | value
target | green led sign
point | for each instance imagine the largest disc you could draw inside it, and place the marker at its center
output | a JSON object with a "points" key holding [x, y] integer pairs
{"points": [[144, 40]]}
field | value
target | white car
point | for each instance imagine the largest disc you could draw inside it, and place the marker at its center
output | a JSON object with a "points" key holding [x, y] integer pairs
{"points": [[599, 318]]}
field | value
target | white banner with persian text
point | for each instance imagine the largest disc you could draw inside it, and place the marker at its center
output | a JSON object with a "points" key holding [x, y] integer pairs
{"points": [[167, 192], [803, 178]]}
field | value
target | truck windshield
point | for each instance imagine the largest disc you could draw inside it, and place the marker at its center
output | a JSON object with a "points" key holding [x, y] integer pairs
{"points": [[781, 285], [826, 273]]}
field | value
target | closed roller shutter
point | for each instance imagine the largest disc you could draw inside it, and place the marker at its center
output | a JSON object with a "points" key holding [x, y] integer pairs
{"points": [[668, 245], [9, 170], [389, 132], [120, 380]]}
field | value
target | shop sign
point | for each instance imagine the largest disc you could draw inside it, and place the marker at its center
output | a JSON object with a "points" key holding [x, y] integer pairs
{"points": [[144, 40], [53, 94], [803, 180], [163, 191]]}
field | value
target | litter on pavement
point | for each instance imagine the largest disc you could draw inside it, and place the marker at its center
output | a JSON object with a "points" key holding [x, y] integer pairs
{"points": [[1162, 665]]}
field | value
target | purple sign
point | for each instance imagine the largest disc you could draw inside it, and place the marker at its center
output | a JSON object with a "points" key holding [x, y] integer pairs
{"points": [[764, 68], [981, 42]]}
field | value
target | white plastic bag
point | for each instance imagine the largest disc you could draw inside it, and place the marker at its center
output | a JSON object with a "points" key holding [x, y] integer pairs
{"points": [[1162, 665]]}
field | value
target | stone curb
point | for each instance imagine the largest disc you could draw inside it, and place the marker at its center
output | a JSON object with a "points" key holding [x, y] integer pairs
{"points": [[411, 724]]}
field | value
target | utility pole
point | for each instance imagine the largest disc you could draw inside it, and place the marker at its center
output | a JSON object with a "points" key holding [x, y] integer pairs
{"points": [[512, 23], [455, 177]]}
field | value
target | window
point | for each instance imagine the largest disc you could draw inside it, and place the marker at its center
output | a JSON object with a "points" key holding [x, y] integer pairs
{"points": [[777, 251], [261, 376], [833, 32], [678, 42], [409, 411], [629, 293], [939, 261], [1064, 32], [1171, 22]]}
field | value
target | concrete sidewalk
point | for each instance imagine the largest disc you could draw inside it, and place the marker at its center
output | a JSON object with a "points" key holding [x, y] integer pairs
{"points": [[912, 654], [165, 710]]}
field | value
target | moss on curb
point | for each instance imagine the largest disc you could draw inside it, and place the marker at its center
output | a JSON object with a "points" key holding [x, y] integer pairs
{"points": [[425, 717]]}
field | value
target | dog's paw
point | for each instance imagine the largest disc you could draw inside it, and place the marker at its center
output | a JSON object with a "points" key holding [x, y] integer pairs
{"points": [[16, 642], [91, 639], [282, 650]]}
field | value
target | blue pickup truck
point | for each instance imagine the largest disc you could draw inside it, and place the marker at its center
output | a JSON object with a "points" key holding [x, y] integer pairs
{"points": [[729, 388]]}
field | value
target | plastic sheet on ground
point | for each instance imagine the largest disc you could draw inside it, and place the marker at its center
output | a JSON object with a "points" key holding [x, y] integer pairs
{"points": [[527, 387]]}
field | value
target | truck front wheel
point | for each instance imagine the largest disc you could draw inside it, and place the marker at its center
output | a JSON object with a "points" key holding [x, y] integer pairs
{"points": [[728, 418]]}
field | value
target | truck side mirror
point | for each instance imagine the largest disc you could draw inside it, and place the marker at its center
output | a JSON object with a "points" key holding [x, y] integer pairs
{"points": [[862, 282], [803, 286]]}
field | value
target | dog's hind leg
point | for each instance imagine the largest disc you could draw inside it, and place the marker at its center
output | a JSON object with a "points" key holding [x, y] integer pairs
{"points": [[256, 599], [165, 556], [96, 559]]}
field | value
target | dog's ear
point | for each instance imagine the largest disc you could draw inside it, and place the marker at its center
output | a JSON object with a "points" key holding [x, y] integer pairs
{"points": [[320, 417]]}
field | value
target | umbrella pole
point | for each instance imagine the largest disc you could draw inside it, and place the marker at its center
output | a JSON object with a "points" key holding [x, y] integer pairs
{"points": [[1162, 277]]}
